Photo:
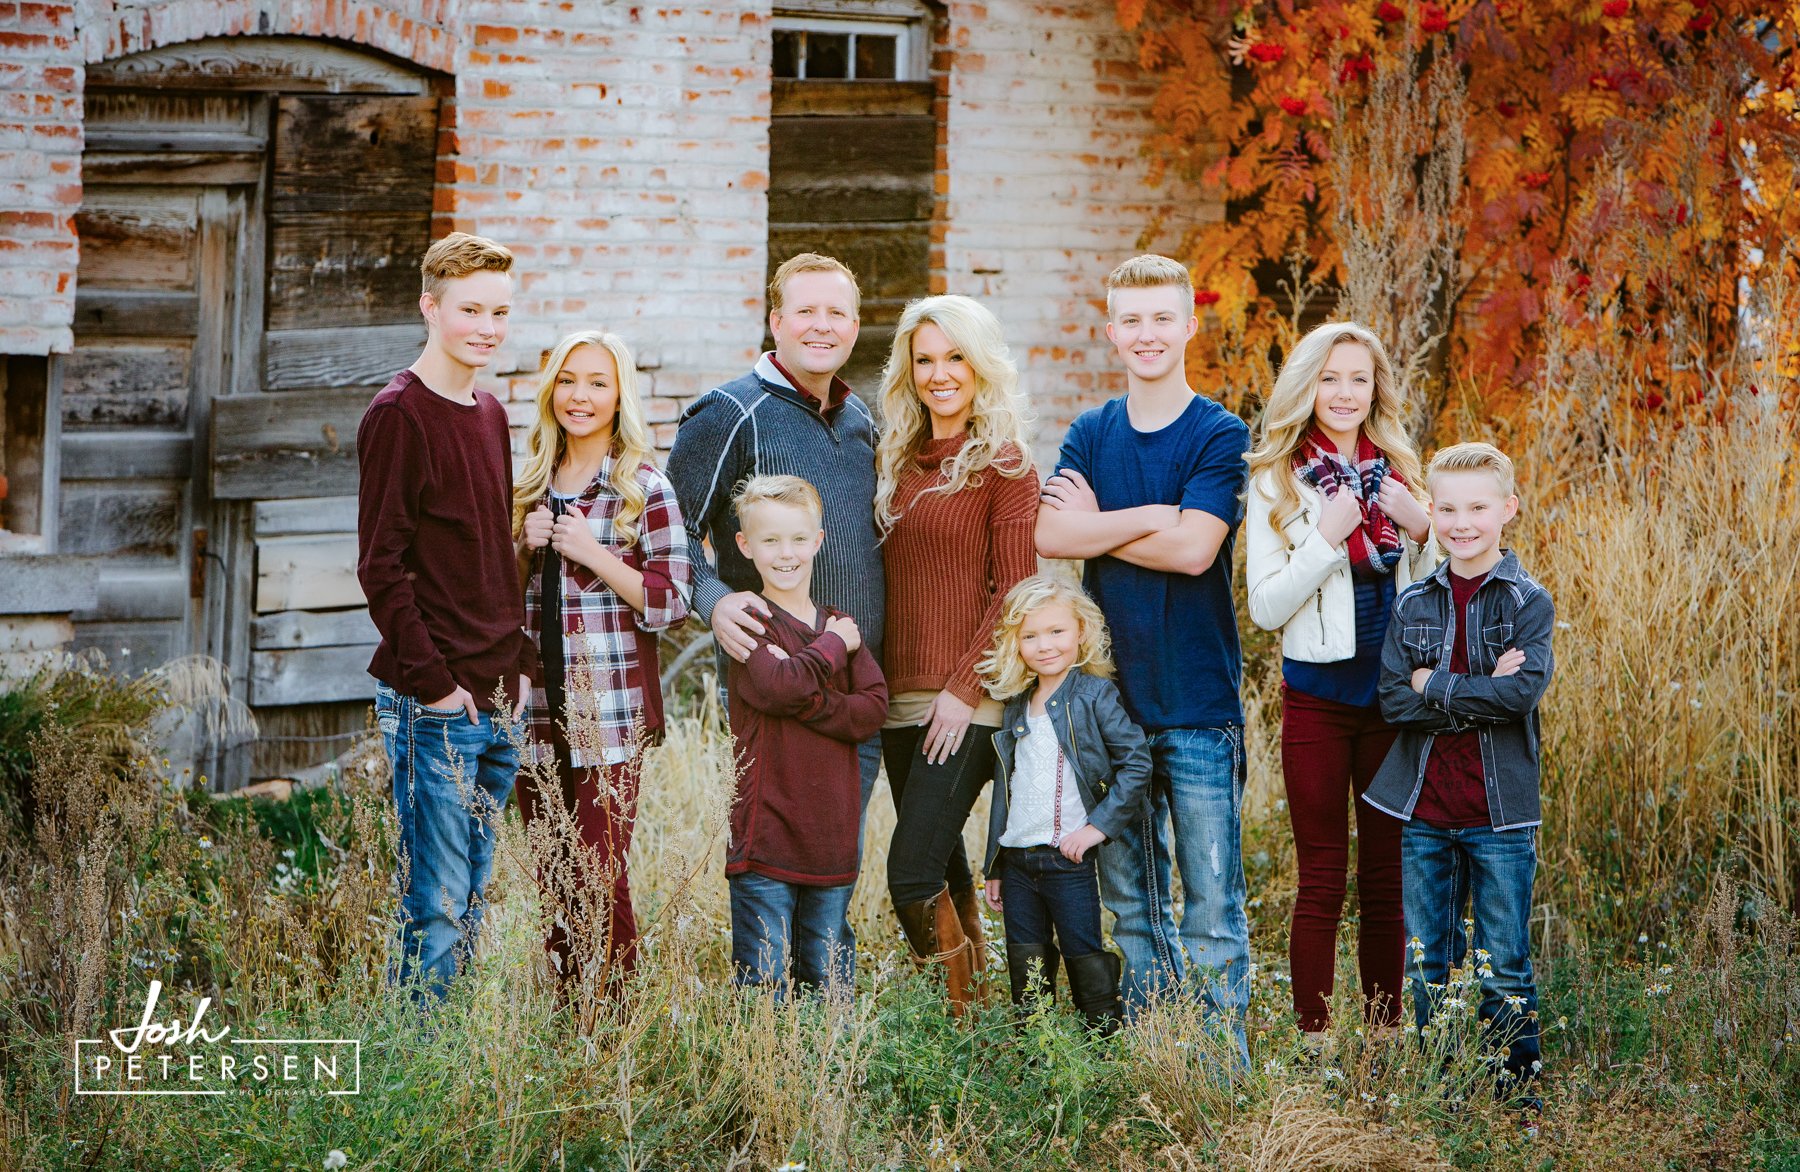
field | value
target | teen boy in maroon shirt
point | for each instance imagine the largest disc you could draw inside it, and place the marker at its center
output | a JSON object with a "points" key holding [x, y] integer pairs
{"points": [[436, 561]]}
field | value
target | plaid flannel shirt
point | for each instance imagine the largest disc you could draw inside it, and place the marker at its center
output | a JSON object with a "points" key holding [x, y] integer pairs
{"points": [[605, 642]]}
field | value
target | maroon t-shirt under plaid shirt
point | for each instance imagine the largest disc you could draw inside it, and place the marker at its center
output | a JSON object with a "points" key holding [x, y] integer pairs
{"points": [[1455, 792], [434, 544]]}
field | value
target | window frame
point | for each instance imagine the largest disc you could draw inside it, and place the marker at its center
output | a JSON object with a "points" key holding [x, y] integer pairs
{"points": [[909, 43]]}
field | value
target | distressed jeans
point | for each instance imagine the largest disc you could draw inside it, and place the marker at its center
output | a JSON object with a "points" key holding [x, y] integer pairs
{"points": [[1492, 872], [451, 780], [1196, 790]]}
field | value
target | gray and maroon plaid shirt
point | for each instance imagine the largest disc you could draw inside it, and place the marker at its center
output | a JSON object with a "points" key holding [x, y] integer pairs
{"points": [[612, 693]]}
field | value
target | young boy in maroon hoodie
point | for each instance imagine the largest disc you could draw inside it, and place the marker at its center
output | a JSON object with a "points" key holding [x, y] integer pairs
{"points": [[808, 694], [436, 561]]}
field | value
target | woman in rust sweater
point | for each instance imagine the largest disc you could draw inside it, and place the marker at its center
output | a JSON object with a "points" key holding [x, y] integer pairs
{"points": [[956, 500]]}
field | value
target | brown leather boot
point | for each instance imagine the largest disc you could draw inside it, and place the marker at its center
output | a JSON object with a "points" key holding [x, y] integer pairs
{"points": [[968, 914], [935, 935]]}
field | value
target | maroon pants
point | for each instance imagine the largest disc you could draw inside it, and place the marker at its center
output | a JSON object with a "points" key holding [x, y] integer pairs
{"points": [[1329, 755], [605, 804]]}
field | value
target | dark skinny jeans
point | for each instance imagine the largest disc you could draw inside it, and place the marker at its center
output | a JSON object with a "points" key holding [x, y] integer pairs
{"points": [[932, 803]]}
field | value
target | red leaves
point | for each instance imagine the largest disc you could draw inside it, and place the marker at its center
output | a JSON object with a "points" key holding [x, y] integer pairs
{"points": [[1701, 21], [1391, 13], [1356, 67], [1507, 109], [1616, 8], [1268, 52], [1433, 19], [1205, 297], [1534, 179], [1294, 106]]}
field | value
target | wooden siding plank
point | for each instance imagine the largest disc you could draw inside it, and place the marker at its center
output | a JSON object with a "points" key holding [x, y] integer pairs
{"points": [[346, 269], [307, 573], [121, 520], [48, 584], [126, 455], [367, 356], [170, 169], [311, 675], [331, 514], [292, 444], [135, 311], [107, 383], [290, 629], [393, 141], [148, 594]]}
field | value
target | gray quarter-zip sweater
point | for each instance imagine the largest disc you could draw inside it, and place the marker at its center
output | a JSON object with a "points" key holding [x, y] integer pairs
{"points": [[760, 425]]}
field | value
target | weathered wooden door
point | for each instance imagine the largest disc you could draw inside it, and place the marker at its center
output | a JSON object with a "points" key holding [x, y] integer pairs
{"points": [[170, 190], [253, 214]]}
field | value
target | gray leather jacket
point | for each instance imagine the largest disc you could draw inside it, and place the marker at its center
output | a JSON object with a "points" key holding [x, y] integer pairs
{"points": [[1511, 610], [1106, 749]]}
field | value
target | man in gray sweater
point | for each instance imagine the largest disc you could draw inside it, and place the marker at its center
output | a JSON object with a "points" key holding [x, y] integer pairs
{"points": [[790, 415]]}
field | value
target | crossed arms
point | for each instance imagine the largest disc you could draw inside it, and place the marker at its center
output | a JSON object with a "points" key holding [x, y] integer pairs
{"points": [[1070, 524]]}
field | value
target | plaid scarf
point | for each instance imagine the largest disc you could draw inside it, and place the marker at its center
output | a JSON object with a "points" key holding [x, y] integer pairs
{"points": [[1375, 546]]}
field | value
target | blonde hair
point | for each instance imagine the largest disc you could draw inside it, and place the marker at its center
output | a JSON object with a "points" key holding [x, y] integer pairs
{"points": [[546, 444], [1150, 271], [1003, 667], [1475, 457], [778, 490], [812, 262], [1288, 415], [999, 410], [458, 255]]}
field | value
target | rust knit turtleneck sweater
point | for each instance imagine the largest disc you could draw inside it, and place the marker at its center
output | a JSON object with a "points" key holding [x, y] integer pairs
{"points": [[950, 560]]}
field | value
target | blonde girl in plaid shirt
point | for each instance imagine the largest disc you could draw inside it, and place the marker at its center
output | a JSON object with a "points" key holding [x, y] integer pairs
{"points": [[607, 567]]}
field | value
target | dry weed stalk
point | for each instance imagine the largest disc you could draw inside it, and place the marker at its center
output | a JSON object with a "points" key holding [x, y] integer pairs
{"points": [[1300, 1131], [1400, 215]]}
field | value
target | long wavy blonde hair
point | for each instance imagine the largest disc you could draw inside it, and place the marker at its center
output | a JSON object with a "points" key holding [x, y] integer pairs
{"points": [[547, 444], [999, 409], [1003, 668], [1289, 414]]}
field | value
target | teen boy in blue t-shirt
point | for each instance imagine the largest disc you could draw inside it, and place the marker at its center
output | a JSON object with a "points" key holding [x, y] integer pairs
{"points": [[1148, 491]]}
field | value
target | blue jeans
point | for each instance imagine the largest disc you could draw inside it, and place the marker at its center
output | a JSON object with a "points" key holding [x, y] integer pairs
{"points": [[781, 930], [1197, 788], [1442, 871], [451, 780], [868, 759], [1041, 890]]}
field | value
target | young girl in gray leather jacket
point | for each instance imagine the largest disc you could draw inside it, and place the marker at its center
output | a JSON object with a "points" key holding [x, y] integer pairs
{"points": [[1071, 772]]}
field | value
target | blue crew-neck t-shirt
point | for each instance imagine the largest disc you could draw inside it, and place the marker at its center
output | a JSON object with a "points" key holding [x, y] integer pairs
{"points": [[1175, 637]]}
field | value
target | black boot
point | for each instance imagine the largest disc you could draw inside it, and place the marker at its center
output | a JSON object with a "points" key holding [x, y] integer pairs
{"points": [[1094, 987], [1031, 968]]}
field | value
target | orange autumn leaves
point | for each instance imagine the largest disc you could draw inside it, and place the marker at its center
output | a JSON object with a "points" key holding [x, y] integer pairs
{"points": [[1628, 162]]}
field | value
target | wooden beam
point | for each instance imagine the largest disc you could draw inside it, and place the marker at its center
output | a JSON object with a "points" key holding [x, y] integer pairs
{"points": [[307, 573], [126, 455], [290, 629], [365, 356], [179, 140], [328, 514], [311, 675], [139, 595], [790, 98], [36, 584], [392, 139], [264, 64], [286, 445], [144, 167], [135, 311]]}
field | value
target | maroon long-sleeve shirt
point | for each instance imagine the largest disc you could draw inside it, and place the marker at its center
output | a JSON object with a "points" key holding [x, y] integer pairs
{"points": [[434, 544], [797, 722]]}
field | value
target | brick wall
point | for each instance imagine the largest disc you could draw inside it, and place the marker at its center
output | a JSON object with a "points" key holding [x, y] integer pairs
{"points": [[40, 174], [1046, 110]]}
